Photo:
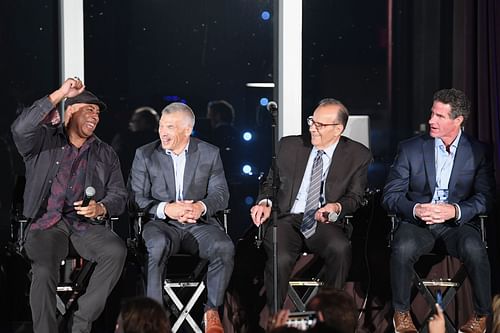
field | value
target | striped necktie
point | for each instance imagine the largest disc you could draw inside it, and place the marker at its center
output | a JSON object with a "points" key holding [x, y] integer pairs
{"points": [[308, 226]]}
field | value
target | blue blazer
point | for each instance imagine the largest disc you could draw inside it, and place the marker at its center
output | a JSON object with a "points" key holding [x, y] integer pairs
{"points": [[152, 178], [412, 178]]}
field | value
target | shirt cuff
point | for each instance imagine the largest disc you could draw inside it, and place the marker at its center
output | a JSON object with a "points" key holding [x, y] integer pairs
{"points": [[204, 208], [414, 207], [102, 216], [160, 211], [458, 212], [268, 202], [340, 207]]}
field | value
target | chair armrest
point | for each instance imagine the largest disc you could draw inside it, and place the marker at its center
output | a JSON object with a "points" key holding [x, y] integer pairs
{"points": [[222, 217], [110, 222], [482, 219], [394, 224]]}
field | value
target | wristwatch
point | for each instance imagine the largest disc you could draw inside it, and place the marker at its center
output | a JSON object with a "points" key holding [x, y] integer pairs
{"points": [[103, 215]]}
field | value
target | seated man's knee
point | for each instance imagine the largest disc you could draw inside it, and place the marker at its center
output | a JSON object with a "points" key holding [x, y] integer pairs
{"points": [[340, 247], [224, 249], [286, 261], [117, 250], [156, 246], [45, 272], [472, 248], [405, 251]]}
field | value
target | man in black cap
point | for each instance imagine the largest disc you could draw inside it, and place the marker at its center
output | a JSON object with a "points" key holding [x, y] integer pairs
{"points": [[62, 160]]}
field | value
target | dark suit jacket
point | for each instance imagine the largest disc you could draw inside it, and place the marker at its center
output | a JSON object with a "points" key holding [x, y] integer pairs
{"points": [[345, 182], [152, 177], [412, 178]]}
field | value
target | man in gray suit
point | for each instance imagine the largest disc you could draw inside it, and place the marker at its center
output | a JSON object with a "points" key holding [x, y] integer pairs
{"points": [[180, 183]]}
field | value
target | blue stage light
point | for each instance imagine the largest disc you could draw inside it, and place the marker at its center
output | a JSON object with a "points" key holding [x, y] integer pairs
{"points": [[247, 169], [171, 98], [247, 136], [249, 200], [264, 101], [265, 15]]}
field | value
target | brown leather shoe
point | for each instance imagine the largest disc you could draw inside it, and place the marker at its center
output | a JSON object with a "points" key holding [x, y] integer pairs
{"points": [[212, 322], [403, 323], [476, 324]]}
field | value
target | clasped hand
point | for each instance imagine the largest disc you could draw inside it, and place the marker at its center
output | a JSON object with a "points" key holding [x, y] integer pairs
{"points": [[185, 211], [432, 213]]}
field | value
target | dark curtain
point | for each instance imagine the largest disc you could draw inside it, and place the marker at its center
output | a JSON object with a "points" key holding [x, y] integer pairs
{"points": [[476, 70], [476, 61], [421, 52], [443, 44]]}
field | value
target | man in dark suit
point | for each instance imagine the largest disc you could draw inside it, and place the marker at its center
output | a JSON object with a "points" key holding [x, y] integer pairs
{"points": [[438, 185], [319, 178], [180, 181]]}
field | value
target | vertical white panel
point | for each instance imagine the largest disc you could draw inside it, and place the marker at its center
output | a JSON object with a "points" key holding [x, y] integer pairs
{"points": [[71, 38], [290, 67]]}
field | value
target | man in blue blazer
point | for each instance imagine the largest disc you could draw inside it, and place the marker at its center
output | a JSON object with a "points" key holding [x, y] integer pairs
{"points": [[438, 185], [180, 182]]}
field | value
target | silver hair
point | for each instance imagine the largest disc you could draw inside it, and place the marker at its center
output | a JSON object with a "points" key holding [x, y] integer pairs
{"points": [[180, 107]]}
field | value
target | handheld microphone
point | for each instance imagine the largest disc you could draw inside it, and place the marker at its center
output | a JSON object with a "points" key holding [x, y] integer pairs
{"points": [[258, 238], [333, 216], [272, 107], [89, 194]]}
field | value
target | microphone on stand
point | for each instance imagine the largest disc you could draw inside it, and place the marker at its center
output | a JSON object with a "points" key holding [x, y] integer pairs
{"points": [[272, 107], [89, 194], [258, 238]]}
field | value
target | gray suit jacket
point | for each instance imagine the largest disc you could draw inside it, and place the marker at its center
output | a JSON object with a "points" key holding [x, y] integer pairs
{"points": [[412, 178], [152, 178]]}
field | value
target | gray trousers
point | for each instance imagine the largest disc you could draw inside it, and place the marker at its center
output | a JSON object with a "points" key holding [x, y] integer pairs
{"points": [[204, 240], [46, 249]]}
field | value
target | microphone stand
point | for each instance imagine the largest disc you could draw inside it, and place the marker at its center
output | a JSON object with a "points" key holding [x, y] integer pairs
{"points": [[275, 208]]}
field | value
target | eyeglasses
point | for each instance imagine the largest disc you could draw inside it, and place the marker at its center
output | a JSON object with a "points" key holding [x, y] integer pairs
{"points": [[318, 125]]}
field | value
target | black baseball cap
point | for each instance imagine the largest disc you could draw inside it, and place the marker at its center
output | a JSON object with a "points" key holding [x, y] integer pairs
{"points": [[85, 97]]}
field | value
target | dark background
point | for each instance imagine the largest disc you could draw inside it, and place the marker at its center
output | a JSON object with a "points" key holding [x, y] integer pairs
{"points": [[381, 58]]}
